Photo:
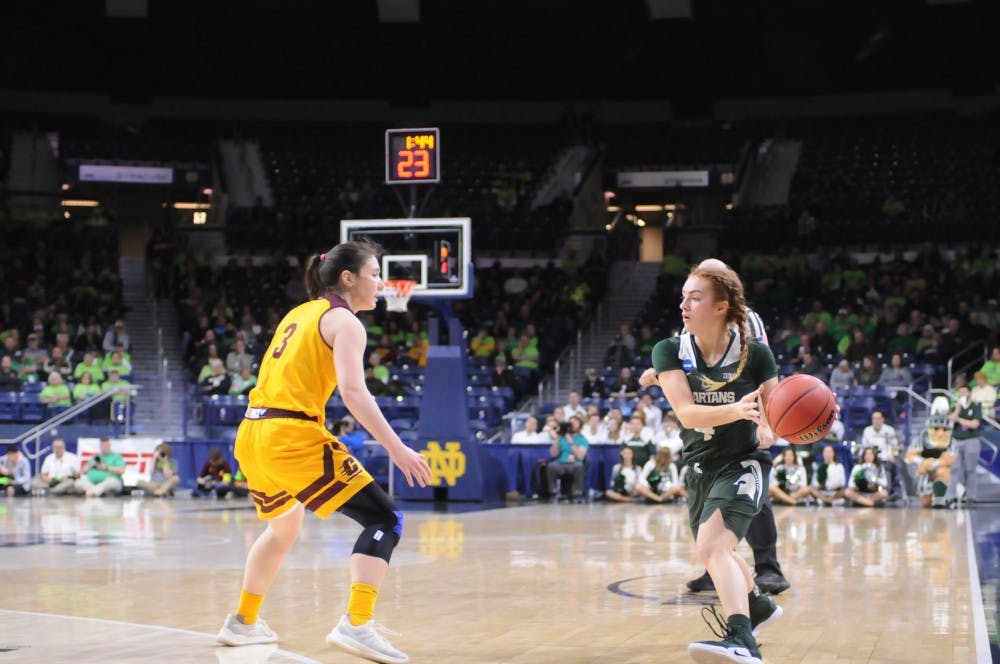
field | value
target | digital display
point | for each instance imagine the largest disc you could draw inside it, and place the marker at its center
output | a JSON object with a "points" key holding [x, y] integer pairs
{"points": [[123, 173], [412, 156]]}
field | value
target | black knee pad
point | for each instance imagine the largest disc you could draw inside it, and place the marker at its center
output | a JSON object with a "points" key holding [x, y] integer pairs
{"points": [[379, 539]]}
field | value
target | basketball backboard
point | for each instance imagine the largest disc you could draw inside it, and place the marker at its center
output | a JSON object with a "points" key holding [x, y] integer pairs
{"points": [[436, 253]]}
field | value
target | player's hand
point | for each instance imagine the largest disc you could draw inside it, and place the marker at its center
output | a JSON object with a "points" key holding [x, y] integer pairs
{"points": [[747, 408], [765, 435], [648, 378], [413, 465]]}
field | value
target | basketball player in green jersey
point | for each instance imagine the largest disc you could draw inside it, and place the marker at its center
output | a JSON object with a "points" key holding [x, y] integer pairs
{"points": [[714, 375], [762, 535]]}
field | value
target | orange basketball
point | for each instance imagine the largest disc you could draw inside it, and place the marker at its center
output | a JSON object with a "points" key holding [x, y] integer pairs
{"points": [[801, 409]]}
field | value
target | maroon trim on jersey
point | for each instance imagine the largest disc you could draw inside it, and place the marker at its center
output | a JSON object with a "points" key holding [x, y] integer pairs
{"points": [[336, 302]]}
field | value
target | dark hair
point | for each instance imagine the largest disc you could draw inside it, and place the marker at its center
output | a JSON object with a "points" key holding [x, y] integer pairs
{"points": [[215, 454], [323, 271]]}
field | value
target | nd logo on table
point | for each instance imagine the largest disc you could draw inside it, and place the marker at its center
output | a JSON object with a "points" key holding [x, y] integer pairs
{"points": [[446, 464]]}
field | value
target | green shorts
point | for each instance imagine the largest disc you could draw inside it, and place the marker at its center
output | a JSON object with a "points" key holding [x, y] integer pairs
{"points": [[737, 489]]}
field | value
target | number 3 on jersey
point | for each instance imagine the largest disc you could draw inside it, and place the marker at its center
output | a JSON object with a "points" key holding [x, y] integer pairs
{"points": [[289, 331]]}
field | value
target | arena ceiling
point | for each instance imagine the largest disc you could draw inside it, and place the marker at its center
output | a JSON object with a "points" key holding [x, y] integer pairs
{"points": [[607, 50]]}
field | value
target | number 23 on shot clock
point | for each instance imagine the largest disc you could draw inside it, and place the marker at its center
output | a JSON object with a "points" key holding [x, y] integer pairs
{"points": [[412, 156]]}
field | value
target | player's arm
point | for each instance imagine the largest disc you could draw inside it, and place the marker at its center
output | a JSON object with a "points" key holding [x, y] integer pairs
{"points": [[346, 334], [675, 387], [648, 378], [972, 423], [348, 350], [765, 434]]}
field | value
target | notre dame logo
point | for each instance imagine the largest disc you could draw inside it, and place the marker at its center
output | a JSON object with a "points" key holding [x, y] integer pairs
{"points": [[441, 538], [447, 464]]}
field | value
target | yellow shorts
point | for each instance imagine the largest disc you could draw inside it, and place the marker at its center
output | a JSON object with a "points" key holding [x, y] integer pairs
{"points": [[288, 461]]}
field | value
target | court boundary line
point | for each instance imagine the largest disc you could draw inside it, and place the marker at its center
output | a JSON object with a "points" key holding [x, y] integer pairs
{"points": [[983, 655], [162, 628]]}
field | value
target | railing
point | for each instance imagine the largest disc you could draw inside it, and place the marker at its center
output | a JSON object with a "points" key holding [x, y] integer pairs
{"points": [[926, 401], [76, 409], [162, 360], [571, 360], [979, 345]]}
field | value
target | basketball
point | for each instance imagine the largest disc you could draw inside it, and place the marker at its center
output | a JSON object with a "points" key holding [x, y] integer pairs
{"points": [[801, 409]]}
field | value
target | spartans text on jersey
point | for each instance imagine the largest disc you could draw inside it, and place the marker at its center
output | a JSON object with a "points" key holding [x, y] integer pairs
{"points": [[714, 397]]}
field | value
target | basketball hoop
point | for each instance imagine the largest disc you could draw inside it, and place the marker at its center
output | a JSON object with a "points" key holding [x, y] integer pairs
{"points": [[397, 293]]}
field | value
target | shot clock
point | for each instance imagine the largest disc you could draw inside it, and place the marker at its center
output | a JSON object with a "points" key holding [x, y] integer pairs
{"points": [[412, 156]]}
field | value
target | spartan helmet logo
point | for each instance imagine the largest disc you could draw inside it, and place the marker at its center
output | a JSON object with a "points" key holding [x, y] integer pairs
{"points": [[749, 484]]}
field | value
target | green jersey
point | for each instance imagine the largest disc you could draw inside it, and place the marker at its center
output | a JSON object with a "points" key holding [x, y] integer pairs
{"points": [[972, 411], [717, 446]]}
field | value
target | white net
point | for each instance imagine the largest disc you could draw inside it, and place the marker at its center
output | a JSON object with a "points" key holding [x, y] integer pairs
{"points": [[397, 294]]}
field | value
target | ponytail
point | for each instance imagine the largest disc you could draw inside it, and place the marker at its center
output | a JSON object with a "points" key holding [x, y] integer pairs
{"points": [[322, 273], [726, 285], [314, 285]]}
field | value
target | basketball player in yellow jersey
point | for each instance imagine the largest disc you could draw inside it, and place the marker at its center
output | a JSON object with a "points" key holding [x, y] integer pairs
{"points": [[292, 463]]}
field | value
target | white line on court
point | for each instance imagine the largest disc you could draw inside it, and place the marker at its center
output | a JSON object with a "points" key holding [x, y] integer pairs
{"points": [[983, 655], [176, 630]]}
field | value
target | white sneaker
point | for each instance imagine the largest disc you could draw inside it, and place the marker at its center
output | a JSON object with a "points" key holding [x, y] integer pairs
{"points": [[365, 641], [235, 633]]}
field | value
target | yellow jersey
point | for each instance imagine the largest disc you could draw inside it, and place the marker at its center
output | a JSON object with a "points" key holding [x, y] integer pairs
{"points": [[297, 371]]}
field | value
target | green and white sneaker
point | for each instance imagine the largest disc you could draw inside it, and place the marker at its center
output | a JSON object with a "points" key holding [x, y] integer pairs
{"points": [[731, 646], [235, 633], [939, 495], [365, 641], [763, 612]]}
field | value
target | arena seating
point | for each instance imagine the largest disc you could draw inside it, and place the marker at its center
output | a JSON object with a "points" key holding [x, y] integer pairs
{"points": [[664, 146], [5, 139], [165, 142], [556, 303], [942, 167], [320, 174]]}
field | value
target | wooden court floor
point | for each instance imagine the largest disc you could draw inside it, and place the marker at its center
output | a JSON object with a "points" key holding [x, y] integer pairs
{"points": [[123, 580]]}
